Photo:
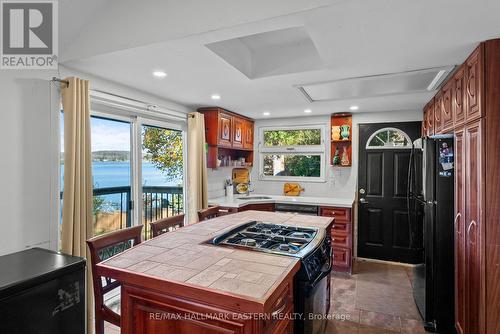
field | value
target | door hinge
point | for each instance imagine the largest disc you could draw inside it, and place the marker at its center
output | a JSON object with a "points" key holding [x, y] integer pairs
{"points": [[131, 205]]}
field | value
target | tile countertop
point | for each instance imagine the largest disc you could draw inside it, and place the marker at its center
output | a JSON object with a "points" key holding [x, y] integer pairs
{"points": [[181, 257], [236, 202]]}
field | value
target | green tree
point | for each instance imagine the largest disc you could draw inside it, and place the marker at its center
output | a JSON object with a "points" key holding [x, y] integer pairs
{"points": [[164, 149], [97, 206]]}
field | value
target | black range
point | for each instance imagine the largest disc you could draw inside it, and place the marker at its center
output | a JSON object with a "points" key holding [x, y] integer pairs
{"points": [[311, 245]]}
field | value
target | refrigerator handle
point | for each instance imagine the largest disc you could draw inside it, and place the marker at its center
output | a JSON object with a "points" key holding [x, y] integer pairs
{"points": [[408, 195]]}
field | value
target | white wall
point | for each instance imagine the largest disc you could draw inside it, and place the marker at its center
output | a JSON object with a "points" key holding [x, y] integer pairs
{"points": [[340, 182], [25, 164]]}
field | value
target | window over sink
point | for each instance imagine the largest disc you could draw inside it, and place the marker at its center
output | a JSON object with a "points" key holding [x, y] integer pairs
{"points": [[294, 153]]}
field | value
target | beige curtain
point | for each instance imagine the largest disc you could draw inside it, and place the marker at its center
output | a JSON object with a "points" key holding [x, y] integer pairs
{"points": [[197, 166], [77, 196]]}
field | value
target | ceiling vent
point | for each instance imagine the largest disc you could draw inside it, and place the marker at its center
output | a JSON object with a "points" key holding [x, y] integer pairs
{"points": [[270, 53], [378, 85]]}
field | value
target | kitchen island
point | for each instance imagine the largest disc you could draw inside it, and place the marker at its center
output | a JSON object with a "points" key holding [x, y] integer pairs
{"points": [[176, 283]]}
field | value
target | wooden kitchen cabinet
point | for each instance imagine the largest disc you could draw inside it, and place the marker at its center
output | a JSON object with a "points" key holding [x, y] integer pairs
{"points": [[475, 105], [248, 134], [457, 97], [226, 135], [270, 207], [237, 139], [474, 76], [225, 130], [473, 225], [446, 108], [148, 311], [459, 234], [438, 112], [430, 118], [258, 207], [341, 234]]}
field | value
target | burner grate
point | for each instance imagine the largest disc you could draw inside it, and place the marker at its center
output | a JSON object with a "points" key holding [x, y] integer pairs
{"points": [[269, 237]]}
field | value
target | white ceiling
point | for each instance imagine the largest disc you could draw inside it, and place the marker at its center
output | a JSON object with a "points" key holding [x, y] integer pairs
{"points": [[124, 41]]}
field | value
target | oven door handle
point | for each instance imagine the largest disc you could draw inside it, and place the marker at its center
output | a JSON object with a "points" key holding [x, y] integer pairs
{"points": [[320, 277]]}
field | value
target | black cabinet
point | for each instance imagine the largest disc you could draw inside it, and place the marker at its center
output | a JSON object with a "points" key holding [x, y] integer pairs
{"points": [[42, 292]]}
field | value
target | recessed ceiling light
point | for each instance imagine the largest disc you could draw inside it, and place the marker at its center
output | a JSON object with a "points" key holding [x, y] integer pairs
{"points": [[308, 111], [354, 107], [266, 113], [159, 74], [215, 97]]}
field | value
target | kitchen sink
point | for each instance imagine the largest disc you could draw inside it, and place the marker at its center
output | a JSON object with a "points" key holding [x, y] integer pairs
{"points": [[253, 197]]}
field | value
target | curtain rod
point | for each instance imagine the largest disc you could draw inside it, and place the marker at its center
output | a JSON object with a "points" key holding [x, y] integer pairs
{"points": [[55, 79]]}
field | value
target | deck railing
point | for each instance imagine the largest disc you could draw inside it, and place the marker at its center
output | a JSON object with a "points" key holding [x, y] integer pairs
{"points": [[113, 206]]}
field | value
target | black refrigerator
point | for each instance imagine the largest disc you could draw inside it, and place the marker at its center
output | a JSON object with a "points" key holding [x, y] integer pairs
{"points": [[430, 207], [42, 292]]}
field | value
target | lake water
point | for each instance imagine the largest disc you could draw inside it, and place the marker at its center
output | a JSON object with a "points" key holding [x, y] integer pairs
{"points": [[115, 174]]}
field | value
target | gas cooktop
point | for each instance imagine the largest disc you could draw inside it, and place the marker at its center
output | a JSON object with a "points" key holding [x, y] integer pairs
{"points": [[268, 237]]}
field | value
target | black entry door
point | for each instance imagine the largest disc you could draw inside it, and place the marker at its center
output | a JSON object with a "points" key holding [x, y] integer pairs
{"points": [[383, 221]]}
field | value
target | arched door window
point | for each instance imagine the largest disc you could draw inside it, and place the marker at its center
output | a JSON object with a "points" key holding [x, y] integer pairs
{"points": [[389, 138]]}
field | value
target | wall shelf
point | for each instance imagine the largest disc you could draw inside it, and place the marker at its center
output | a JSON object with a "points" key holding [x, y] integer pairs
{"points": [[340, 145]]}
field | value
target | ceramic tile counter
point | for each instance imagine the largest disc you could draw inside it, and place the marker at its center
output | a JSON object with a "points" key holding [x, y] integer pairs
{"points": [[181, 257]]}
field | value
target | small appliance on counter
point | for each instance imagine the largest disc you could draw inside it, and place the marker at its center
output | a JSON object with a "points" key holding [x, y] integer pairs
{"points": [[312, 246], [42, 292]]}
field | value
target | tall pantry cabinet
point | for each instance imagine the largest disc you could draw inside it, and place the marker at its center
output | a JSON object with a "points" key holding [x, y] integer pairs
{"points": [[474, 90]]}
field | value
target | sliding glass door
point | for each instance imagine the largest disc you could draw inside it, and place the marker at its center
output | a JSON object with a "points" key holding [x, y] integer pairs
{"points": [[111, 173], [137, 171], [162, 173]]}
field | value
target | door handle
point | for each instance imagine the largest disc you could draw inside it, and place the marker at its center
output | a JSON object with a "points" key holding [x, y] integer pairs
{"points": [[363, 201], [459, 215], [473, 222]]}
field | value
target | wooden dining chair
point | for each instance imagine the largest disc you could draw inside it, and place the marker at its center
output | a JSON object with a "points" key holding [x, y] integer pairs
{"points": [[209, 213], [101, 248], [166, 224]]}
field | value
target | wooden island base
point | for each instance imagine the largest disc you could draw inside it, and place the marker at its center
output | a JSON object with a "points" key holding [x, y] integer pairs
{"points": [[176, 283], [145, 312]]}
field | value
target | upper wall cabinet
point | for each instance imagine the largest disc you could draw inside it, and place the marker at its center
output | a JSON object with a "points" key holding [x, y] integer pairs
{"points": [[429, 119], [248, 134], [474, 84], [438, 112], [228, 135], [446, 110], [458, 98], [238, 125]]}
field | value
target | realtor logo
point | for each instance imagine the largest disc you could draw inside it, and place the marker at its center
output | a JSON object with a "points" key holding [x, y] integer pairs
{"points": [[29, 34]]}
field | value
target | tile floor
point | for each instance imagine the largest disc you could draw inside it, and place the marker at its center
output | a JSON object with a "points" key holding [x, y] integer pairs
{"points": [[376, 299]]}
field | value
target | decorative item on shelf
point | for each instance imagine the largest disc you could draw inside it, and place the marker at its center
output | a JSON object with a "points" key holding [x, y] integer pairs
{"points": [[345, 131], [345, 158], [335, 132], [336, 157]]}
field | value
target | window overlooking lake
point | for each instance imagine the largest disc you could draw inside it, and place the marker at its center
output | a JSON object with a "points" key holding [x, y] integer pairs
{"points": [[160, 173], [292, 153]]}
